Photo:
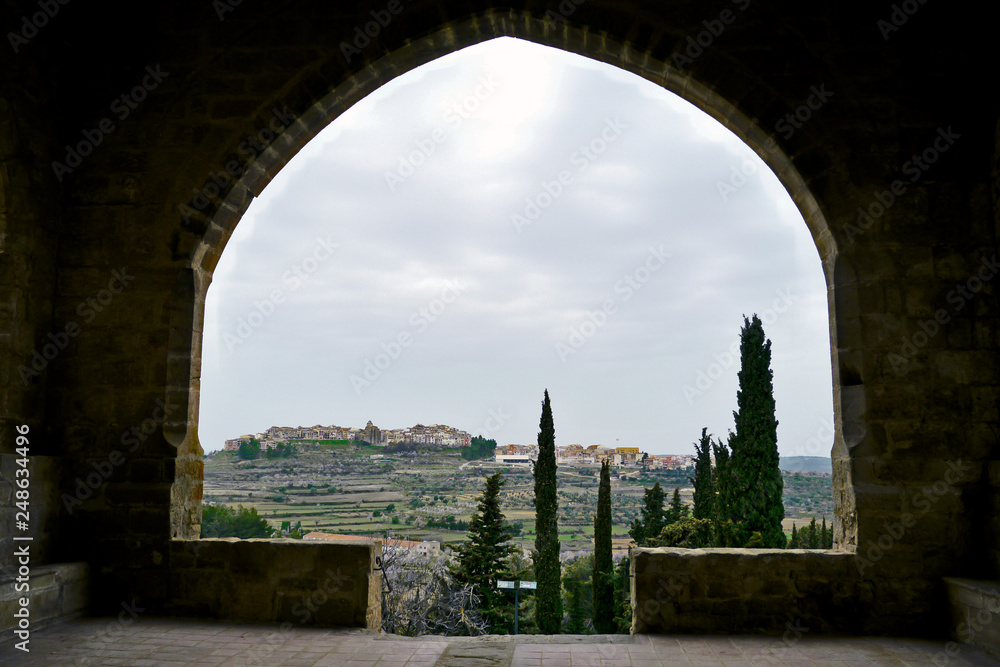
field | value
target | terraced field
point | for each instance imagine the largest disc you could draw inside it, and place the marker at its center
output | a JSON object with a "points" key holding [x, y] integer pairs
{"points": [[339, 487]]}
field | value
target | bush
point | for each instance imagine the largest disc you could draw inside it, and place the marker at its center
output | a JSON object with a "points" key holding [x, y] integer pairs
{"points": [[223, 521]]}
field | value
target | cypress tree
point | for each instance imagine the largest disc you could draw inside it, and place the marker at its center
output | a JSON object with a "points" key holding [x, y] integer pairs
{"points": [[548, 598], [604, 566], [793, 542], [755, 483], [483, 560], [813, 535], [704, 488], [649, 526], [676, 511]]}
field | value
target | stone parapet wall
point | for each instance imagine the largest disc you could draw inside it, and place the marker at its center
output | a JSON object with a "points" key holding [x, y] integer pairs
{"points": [[55, 593], [975, 614], [276, 581], [771, 591]]}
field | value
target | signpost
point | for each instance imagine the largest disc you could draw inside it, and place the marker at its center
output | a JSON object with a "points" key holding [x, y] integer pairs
{"points": [[517, 586]]}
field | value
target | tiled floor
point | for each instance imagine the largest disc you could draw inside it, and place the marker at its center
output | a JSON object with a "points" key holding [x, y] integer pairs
{"points": [[176, 642]]}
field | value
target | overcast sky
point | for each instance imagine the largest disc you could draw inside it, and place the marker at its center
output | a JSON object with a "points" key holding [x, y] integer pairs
{"points": [[507, 219]]}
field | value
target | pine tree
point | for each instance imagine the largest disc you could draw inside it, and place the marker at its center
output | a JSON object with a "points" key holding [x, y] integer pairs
{"points": [[793, 541], [676, 511], [813, 535], [483, 559], [548, 599], [755, 483], [649, 526], [604, 566], [704, 488]]}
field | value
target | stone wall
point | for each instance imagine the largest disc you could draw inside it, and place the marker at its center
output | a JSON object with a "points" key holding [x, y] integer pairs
{"points": [[55, 593], [727, 591], [140, 223], [276, 581], [975, 614]]}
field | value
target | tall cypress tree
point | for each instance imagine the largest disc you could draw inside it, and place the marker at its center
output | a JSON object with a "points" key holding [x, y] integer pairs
{"points": [[721, 479], [704, 487], [483, 560], [649, 526], [754, 477], [676, 511], [548, 599], [604, 566]]}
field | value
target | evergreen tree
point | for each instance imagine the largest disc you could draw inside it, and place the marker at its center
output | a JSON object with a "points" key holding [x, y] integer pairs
{"points": [[813, 535], [793, 542], [623, 597], [223, 521], [687, 533], [483, 559], [676, 511], [604, 565], [577, 618], [651, 524], [826, 535], [704, 488], [548, 598], [755, 483], [721, 480]]}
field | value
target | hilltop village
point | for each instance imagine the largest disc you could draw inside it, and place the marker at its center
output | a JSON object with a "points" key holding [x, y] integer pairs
{"points": [[443, 436]]}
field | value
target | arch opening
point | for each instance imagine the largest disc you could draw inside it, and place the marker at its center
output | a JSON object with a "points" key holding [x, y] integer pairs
{"points": [[309, 123]]}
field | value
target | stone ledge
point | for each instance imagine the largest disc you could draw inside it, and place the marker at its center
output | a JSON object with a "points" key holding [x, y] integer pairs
{"points": [[743, 590], [975, 612], [57, 592], [282, 580]]}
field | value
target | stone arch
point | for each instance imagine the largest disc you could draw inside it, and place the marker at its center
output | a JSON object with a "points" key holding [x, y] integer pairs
{"points": [[186, 324]]}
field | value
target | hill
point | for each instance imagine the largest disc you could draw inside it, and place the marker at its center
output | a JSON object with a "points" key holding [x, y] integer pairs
{"points": [[819, 464]]}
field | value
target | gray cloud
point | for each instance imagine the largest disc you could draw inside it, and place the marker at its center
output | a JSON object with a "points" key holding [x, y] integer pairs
{"points": [[654, 185]]}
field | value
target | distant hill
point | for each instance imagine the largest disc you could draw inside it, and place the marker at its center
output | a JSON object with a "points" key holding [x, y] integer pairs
{"points": [[806, 464]]}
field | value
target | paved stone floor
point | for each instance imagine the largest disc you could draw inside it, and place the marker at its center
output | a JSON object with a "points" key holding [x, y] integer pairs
{"points": [[171, 642]]}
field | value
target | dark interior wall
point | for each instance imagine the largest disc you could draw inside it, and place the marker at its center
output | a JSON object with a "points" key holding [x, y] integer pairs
{"points": [[139, 222]]}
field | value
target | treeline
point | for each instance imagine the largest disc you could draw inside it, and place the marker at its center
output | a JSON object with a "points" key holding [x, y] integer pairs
{"points": [[479, 448], [250, 449], [738, 500], [225, 521]]}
